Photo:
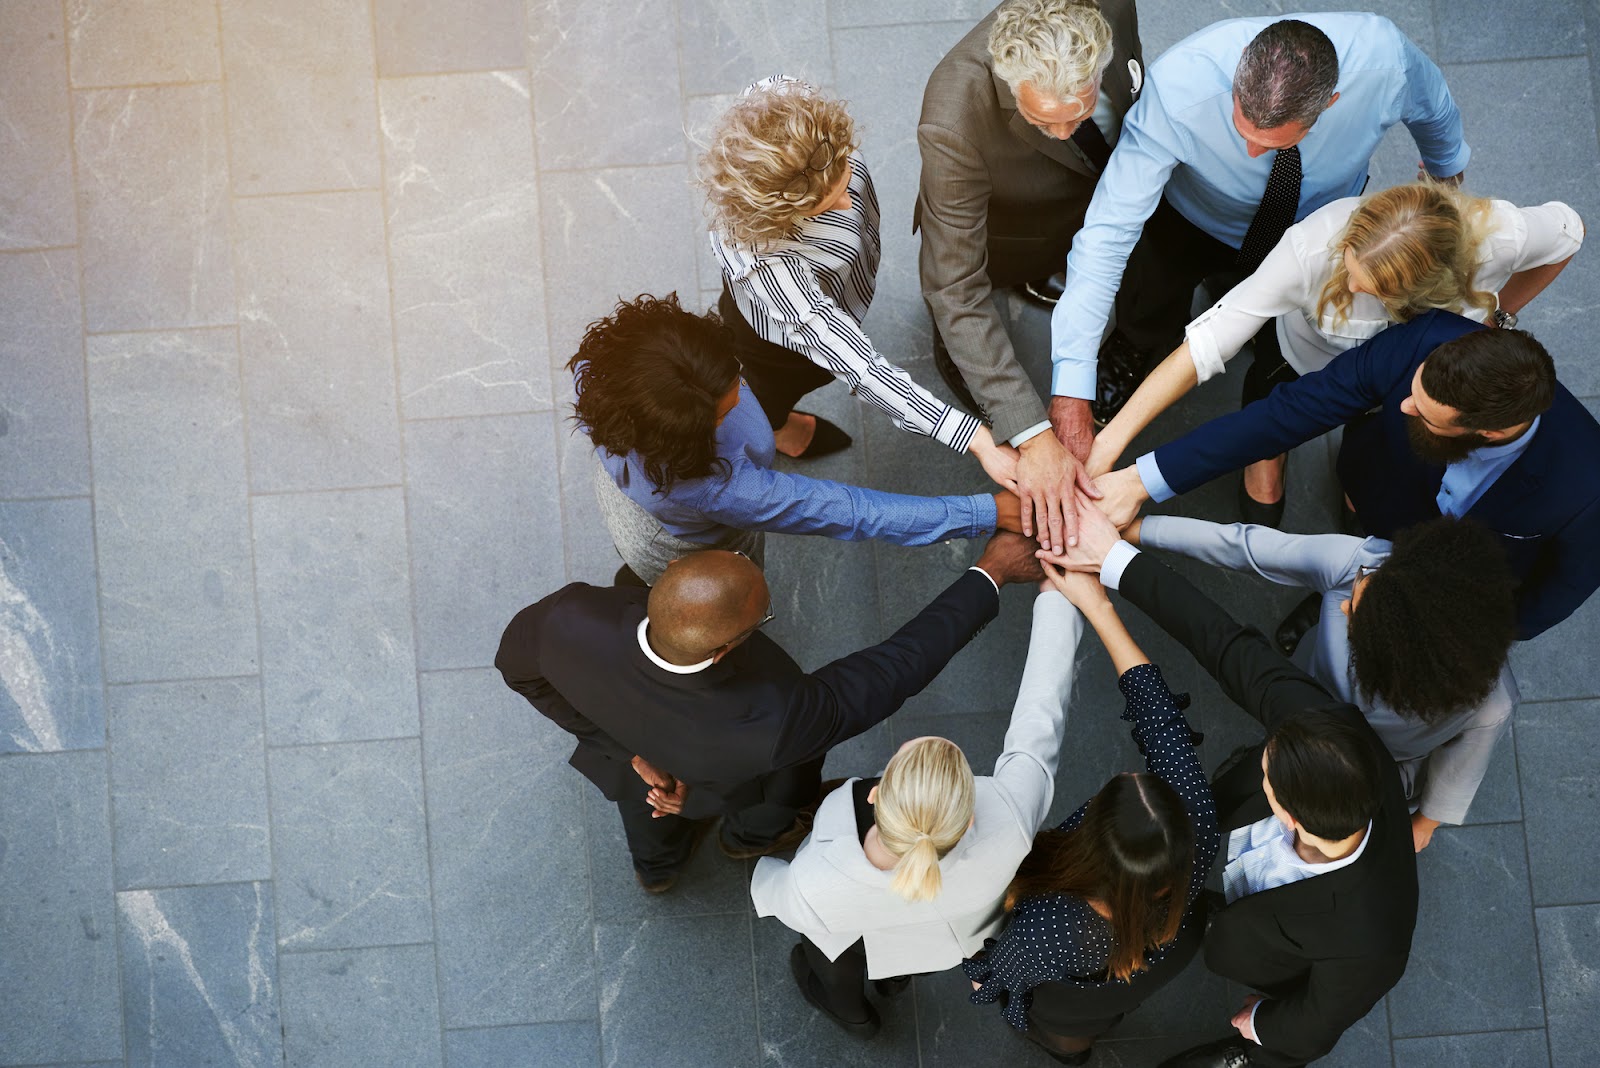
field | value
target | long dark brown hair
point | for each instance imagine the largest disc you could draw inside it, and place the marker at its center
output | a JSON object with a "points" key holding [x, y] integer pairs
{"points": [[1134, 851]]}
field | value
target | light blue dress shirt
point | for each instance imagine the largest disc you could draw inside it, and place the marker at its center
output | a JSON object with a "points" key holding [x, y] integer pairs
{"points": [[1179, 138], [750, 495], [1468, 480]]}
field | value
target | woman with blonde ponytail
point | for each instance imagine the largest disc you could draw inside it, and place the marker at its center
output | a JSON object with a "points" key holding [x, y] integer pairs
{"points": [[905, 873], [1340, 276]]}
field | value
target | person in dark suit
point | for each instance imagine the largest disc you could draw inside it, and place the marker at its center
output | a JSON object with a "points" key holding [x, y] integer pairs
{"points": [[1320, 882], [1442, 416], [684, 711]]}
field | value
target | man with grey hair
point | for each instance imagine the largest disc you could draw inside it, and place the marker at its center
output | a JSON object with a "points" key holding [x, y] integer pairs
{"points": [[1243, 128], [1018, 121]]}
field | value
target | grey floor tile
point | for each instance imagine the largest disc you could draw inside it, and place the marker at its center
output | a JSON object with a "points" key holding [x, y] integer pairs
{"points": [[610, 235], [1547, 670], [36, 207], [301, 116], [727, 44], [710, 1019], [152, 173], [199, 975], [485, 530], [510, 863], [1526, 29], [317, 342], [889, 12], [1569, 956], [51, 697], [1365, 1044], [1560, 804], [171, 516], [434, 36], [584, 116], [792, 1032], [463, 225], [360, 1008], [338, 660], [572, 1044], [349, 845], [44, 447], [1505, 1049], [189, 783], [815, 578], [59, 984], [1470, 969], [590, 556], [137, 42]]}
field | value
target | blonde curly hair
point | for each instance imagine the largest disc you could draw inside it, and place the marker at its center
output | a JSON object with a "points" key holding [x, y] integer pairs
{"points": [[760, 172]]}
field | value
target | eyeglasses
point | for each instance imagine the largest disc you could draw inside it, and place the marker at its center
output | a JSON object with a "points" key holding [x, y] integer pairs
{"points": [[770, 616], [1366, 570], [822, 157]]}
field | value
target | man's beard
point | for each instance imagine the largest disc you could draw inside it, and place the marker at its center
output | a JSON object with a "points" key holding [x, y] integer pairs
{"points": [[1432, 448]]}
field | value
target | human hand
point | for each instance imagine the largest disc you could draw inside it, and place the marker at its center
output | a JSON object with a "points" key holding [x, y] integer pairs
{"points": [[1008, 512], [1009, 558], [1243, 1020], [668, 802], [652, 774], [1105, 452], [998, 459], [1422, 829], [1453, 180], [1096, 536], [1082, 588], [1122, 492], [1047, 478]]}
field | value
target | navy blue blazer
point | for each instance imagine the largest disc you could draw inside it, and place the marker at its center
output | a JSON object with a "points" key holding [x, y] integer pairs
{"points": [[1545, 507]]}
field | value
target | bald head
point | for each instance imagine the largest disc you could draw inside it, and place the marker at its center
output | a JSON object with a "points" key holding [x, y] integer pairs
{"points": [[702, 602]]}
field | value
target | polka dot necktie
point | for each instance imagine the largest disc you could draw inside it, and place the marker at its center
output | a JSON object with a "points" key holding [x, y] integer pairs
{"points": [[1276, 213]]}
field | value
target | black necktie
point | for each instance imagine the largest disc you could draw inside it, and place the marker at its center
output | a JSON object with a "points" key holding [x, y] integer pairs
{"points": [[1092, 143], [1276, 213]]}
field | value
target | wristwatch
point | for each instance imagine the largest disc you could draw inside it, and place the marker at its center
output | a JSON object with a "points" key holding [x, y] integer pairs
{"points": [[1504, 320]]}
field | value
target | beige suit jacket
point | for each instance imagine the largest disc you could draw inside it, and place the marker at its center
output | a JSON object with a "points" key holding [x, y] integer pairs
{"points": [[999, 204]]}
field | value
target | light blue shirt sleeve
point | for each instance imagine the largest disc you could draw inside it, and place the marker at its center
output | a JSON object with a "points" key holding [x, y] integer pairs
{"points": [[1430, 113], [1154, 483]]}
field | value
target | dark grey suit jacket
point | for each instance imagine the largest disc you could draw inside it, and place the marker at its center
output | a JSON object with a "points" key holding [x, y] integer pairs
{"points": [[999, 204]]}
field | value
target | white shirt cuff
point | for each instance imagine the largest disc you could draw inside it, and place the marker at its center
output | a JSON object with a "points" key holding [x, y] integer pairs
{"points": [[1254, 1009], [1016, 440], [988, 576], [1118, 557]]}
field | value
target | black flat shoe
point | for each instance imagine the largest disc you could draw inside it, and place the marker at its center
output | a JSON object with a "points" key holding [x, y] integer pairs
{"points": [[1044, 292], [827, 440], [1119, 370], [1300, 619], [1259, 512], [805, 980]]}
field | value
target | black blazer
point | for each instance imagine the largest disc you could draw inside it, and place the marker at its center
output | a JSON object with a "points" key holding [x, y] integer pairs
{"points": [[1545, 507], [575, 656], [1324, 949]]}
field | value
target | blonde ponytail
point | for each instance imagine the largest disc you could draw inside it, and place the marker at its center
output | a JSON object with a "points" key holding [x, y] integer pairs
{"points": [[924, 806]]}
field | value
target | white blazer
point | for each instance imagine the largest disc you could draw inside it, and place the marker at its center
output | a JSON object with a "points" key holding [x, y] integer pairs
{"points": [[833, 895]]}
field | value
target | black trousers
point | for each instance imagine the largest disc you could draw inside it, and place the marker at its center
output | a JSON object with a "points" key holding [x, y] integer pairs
{"points": [[661, 846], [843, 981], [778, 377]]}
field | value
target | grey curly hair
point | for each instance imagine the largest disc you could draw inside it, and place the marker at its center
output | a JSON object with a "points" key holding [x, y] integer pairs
{"points": [[1059, 47]]}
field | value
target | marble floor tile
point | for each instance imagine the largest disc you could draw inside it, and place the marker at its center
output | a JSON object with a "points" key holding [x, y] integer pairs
{"points": [[51, 696], [1569, 957], [58, 938], [36, 209], [1561, 808], [1525, 29], [189, 783], [361, 1008], [139, 42], [510, 866], [338, 659], [177, 598], [435, 36], [44, 424], [199, 975], [586, 116], [349, 846], [727, 44], [464, 245], [485, 530], [710, 1019], [301, 113], [572, 1044], [1364, 1043], [843, 13], [1499, 797], [1504, 1049], [152, 179], [317, 342], [590, 555]]}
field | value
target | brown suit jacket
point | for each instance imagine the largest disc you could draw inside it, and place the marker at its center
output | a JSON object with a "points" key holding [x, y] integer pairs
{"points": [[999, 203]]}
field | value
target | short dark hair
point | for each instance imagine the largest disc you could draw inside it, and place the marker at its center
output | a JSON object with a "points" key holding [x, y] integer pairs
{"points": [[1448, 580], [649, 377], [1325, 772], [1494, 379], [1288, 73]]}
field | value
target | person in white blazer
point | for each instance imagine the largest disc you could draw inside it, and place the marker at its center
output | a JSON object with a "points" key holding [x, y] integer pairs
{"points": [[921, 886]]}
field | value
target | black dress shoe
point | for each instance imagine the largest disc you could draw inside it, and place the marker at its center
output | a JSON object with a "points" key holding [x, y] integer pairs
{"points": [[1044, 291], [1300, 619], [810, 990], [1120, 369], [1230, 1052], [952, 374], [1259, 512], [827, 440]]}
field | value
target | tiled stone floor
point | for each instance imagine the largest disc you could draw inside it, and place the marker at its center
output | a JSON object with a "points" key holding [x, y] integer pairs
{"points": [[285, 293]]}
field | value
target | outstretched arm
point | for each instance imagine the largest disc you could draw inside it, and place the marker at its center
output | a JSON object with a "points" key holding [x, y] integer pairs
{"points": [[1026, 770]]}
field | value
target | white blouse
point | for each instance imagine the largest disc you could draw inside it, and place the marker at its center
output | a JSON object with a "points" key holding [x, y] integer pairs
{"points": [[1289, 283]]}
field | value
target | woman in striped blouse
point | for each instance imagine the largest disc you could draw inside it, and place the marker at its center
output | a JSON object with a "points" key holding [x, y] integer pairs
{"points": [[795, 228]]}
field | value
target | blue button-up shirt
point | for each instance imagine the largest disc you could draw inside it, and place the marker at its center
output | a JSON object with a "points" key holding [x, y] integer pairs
{"points": [[1467, 480], [750, 495], [1179, 137]]}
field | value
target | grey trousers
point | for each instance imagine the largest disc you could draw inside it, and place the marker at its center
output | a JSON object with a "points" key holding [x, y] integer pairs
{"points": [[644, 544]]}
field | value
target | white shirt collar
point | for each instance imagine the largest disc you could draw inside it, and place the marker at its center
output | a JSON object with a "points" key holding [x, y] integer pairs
{"points": [[676, 669]]}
